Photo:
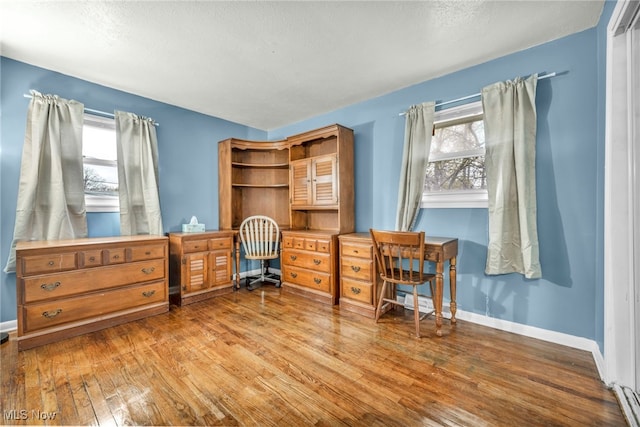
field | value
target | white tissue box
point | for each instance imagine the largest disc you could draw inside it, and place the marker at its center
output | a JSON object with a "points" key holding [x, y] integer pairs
{"points": [[192, 228]]}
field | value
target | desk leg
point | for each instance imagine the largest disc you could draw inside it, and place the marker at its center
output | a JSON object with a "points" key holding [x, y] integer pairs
{"points": [[437, 301], [237, 281], [452, 284]]}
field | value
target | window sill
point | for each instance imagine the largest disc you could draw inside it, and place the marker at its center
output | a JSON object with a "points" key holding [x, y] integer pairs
{"points": [[101, 203], [459, 200]]}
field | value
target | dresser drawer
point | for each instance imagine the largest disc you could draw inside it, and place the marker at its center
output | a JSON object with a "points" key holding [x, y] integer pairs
{"points": [[58, 285], [356, 290], [91, 258], [356, 268], [49, 263], [312, 261], [356, 250], [66, 310], [310, 279], [306, 243], [221, 243], [141, 253], [115, 256], [317, 245], [189, 246]]}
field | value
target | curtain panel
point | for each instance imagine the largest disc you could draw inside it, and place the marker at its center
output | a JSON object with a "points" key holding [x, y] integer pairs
{"points": [[510, 139], [415, 156], [50, 203], [137, 148]]}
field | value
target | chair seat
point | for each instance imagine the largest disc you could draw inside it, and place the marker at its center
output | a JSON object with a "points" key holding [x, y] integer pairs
{"points": [[265, 256]]}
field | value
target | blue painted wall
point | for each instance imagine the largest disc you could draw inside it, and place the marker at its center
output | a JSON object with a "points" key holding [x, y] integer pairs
{"points": [[187, 146], [570, 168]]}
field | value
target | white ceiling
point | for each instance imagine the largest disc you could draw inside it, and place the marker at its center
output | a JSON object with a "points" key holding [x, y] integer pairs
{"points": [[268, 64]]}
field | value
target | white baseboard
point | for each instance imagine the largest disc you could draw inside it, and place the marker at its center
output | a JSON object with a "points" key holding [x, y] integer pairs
{"points": [[8, 326]]}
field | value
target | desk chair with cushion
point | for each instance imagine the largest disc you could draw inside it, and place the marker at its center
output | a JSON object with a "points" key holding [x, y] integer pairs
{"points": [[260, 236], [400, 258]]}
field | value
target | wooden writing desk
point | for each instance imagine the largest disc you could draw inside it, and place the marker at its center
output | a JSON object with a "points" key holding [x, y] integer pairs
{"points": [[359, 277]]}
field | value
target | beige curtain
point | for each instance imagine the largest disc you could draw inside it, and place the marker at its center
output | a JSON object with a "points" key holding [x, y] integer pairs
{"points": [[510, 138], [50, 202], [417, 143], [137, 147]]}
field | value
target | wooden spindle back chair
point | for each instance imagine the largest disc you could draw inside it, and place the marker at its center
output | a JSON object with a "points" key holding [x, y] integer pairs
{"points": [[400, 258], [260, 236]]}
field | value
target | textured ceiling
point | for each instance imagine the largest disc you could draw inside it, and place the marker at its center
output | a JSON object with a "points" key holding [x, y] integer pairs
{"points": [[268, 64]]}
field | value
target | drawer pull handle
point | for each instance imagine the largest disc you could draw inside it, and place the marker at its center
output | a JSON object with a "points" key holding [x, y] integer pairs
{"points": [[355, 290], [293, 257], [147, 253], [355, 251], [355, 268], [148, 270], [50, 286], [318, 281], [147, 294], [51, 263], [116, 257], [51, 314], [92, 258], [317, 261], [294, 275]]}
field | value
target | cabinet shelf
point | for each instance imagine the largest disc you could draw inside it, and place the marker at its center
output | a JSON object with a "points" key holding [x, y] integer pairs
{"points": [[261, 165], [315, 208], [262, 185]]}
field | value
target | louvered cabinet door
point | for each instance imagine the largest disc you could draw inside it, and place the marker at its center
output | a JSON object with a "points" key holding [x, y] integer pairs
{"points": [[220, 268], [195, 271], [323, 181], [300, 183]]}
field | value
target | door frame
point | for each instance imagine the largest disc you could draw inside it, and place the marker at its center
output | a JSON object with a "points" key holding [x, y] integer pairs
{"points": [[622, 204]]}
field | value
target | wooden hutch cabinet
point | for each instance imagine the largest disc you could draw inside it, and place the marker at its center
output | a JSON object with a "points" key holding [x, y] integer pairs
{"points": [[253, 179], [321, 169], [201, 265], [306, 184]]}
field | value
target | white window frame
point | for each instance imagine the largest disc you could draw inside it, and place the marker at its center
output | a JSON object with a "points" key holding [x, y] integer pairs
{"points": [[100, 203], [456, 199]]}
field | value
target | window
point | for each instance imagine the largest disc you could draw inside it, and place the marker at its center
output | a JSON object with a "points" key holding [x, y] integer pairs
{"points": [[100, 164], [455, 175]]}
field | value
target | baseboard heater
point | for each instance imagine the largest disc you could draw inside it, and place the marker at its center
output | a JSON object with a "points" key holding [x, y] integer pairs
{"points": [[425, 304], [630, 403]]}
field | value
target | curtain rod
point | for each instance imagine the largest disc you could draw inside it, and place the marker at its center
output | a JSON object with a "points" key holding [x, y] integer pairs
{"points": [[440, 104], [89, 110]]}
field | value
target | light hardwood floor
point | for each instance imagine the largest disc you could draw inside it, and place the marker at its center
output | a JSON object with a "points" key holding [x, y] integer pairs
{"points": [[263, 359]]}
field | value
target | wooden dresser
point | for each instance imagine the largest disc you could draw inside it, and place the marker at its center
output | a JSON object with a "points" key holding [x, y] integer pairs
{"points": [[70, 287], [308, 262], [360, 282], [201, 265]]}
